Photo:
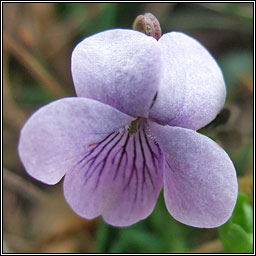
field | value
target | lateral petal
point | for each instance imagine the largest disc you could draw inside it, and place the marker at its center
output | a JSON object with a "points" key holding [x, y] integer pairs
{"points": [[55, 137], [200, 183]]}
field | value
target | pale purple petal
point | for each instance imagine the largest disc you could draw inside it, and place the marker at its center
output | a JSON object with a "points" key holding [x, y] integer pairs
{"points": [[120, 68], [57, 135], [120, 178], [200, 183], [192, 90]]}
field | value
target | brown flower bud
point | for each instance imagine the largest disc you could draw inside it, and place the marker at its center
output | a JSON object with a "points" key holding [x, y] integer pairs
{"points": [[148, 24]]}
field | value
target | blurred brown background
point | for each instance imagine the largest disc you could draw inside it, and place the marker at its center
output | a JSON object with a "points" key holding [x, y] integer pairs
{"points": [[38, 39]]}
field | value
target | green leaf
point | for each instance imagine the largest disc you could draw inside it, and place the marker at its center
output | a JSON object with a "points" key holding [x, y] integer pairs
{"points": [[243, 213], [236, 234], [236, 240]]}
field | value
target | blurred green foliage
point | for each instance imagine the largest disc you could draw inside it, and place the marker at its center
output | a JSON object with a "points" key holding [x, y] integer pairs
{"points": [[235, 65], [158, 233]]}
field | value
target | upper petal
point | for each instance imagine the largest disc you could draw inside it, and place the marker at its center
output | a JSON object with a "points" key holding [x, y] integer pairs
{"points": [[55, 137], [192, 90], [200, 183], [120, 178], [120, 68]]}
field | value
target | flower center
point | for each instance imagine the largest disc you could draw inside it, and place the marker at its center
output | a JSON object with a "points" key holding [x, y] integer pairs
{"points": [[133, 127]]}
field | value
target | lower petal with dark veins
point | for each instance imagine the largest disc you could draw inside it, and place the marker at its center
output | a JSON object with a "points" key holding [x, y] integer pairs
{"points": [[120, 178]]}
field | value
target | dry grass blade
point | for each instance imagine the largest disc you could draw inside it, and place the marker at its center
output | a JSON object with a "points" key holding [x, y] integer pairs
{"points": [[12, 114], [214, 246], [21, 185], [37, 70], [69, 230]]}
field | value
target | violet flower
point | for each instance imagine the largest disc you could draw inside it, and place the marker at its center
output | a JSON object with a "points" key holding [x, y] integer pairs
{"points": [[132, 131]]}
